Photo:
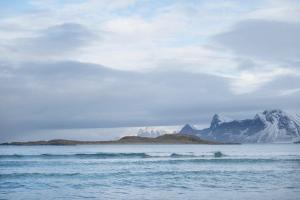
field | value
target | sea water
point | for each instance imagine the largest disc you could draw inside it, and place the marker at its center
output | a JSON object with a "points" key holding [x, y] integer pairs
{"points": [[150, 172]]}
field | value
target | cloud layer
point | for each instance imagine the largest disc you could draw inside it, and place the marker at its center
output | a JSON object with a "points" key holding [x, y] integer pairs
{"points": [[266, 40]]}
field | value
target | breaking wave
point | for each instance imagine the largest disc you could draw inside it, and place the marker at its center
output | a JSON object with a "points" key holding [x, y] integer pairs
{"points": [[110, 155], [186, 157]]}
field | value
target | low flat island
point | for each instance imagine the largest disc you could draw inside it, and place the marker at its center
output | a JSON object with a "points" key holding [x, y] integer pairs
{"points": [[163, 139]]}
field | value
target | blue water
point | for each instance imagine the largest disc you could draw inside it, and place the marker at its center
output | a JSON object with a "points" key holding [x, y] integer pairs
{"points": [[150, 172]]}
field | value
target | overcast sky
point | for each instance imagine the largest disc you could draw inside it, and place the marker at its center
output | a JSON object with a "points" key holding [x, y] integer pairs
{"points": [[86, 64]]}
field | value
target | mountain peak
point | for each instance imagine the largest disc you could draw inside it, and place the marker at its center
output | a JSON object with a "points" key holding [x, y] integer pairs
{"points": [[273, 112], [188, 129], [215, 121], [150, 132], [275, 115], [218, 119]]}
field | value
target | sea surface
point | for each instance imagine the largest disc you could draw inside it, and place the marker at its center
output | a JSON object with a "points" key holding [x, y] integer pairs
{"points": [[139, 172]]}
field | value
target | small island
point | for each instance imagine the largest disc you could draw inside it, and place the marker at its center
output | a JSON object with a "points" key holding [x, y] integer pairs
{"points": [[163, 139]]}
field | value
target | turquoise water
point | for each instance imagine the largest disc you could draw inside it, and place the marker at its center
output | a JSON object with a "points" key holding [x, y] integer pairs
{"points": [[150, 172]]}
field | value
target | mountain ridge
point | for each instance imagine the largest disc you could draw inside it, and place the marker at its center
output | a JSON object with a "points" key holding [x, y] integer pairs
{"points": [[268, 126]]}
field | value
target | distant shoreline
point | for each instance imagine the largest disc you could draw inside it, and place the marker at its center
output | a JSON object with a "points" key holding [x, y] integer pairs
{"points": [[163, 139]]}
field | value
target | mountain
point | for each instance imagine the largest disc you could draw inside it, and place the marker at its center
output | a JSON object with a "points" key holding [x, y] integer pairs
{"points": [[150, 132], [188, 130], [163, 139], [266, 127]]}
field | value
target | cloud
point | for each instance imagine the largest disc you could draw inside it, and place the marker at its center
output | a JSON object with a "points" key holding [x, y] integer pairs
{"points": [[250, 81], [63, 37], [287, 92], [54, 41], [264, 50], [267, 40], [277, 10], [55, 95]]}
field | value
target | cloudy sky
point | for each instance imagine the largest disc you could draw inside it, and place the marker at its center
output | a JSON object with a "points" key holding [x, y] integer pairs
{"points": [[87, 64]]}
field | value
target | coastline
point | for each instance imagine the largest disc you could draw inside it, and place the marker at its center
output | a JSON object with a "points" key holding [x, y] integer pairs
{"points": [[163, 139]]}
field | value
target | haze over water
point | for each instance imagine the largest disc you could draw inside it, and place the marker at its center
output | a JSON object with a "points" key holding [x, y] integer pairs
{"points": [[150, 172]]}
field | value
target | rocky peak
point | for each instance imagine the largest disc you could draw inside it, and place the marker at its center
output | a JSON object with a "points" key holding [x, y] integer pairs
{"points": [[217, 120], [274, 115], [187, 129]]}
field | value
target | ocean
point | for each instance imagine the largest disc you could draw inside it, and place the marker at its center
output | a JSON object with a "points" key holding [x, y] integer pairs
{"points": [[248, 171]]}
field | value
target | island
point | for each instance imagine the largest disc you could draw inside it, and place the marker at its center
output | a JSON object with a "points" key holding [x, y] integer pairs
{"points": [[163, 139]]}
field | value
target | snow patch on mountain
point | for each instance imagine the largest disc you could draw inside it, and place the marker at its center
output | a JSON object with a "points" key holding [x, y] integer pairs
{"points": [[153, 132]]}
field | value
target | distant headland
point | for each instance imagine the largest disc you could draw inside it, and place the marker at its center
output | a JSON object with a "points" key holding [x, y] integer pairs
{"points": [[163, 139]]}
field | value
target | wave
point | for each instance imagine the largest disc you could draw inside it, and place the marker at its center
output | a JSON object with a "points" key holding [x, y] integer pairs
{"points": [[226, 160], [101, 174], [108, 155], [103, 155], [79, 155], [174, 161], [126, 173], [36, 175], [217, 154]]}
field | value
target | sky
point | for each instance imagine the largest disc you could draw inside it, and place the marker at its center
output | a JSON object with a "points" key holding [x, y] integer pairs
{"points": [[87, 64]]}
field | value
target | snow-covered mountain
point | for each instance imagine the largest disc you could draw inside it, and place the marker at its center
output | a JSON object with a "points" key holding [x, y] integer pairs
{"points": [[268, 126], [150, 132]]}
